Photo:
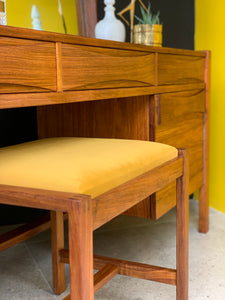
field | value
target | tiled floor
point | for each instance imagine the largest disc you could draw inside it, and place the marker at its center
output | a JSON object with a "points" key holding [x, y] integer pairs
{"points": [[25, 270]]}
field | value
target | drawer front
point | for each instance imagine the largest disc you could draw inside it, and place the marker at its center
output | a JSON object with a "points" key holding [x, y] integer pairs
{"points": [[174, 107], [96, 68], [27, 66], [189, 135], [180, 69], [180, 124], [162, 201]]}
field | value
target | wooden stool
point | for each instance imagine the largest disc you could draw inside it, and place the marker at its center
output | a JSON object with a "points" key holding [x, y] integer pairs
{"points": [[93, 181]]}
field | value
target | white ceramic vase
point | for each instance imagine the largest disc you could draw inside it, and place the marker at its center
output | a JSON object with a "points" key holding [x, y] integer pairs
{"points": [[110, 28], [35, 15]]}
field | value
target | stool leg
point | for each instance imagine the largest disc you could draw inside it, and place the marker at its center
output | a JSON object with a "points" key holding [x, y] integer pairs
{"points": [[204, 209], [57, 238], [182, 230], [81, 250]]}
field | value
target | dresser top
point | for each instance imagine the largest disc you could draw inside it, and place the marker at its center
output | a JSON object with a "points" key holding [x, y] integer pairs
{"points": [[24, 33]]}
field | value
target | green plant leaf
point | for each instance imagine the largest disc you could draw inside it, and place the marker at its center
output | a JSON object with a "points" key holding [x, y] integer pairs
{"points": [[147, 16]]}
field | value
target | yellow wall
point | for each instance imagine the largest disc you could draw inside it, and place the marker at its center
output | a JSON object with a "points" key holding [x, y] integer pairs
{"points": [[19, 14], [209, 34]]}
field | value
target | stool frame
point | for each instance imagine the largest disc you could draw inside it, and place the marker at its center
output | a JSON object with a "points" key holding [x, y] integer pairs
{"points": [[86, 214]]}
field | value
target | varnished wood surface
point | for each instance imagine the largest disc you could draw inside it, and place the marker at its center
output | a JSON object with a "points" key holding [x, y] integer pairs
{"points": [[57, 243], [178, 125], [204, 194], [26, 66], [23, 232], [128, 268], [125, 118], [182, 243], [95, 68], [179, 121], [104, 275], [139, 270], [38, 198], [182, 69], [162, 201], [81, 257], [44, 61], [24, 33], [41, 99]]}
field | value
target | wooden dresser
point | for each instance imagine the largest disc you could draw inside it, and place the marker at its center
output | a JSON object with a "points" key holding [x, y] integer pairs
{"points": [[95, 88]]}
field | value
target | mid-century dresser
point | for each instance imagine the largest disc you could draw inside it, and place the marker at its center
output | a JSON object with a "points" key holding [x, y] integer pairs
{"points": [[95, 88]]}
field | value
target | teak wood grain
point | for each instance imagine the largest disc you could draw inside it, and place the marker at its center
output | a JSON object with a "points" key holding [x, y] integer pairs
{"points": [[180, 127], [106, 273], [128, 268], [23, 33], [53, 98], [57, 243], [182, 243], [179, 69], [80, 68], [204, 194], [27, 66], [24, 232]]}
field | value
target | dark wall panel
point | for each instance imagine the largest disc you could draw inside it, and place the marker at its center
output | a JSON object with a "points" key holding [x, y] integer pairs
{"points": [[17, 126]]}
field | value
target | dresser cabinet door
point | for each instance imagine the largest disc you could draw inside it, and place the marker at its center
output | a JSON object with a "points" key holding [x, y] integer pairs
{"points": [[179, 120]]}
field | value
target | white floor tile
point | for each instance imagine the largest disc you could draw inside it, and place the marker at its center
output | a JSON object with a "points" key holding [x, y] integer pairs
{"points": [[25, 270]]}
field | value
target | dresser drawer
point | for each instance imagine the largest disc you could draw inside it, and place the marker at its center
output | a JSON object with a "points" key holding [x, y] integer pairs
{"points": [[180, 69], [174, 107], [96, 68], [180, 124], [27, 66]]}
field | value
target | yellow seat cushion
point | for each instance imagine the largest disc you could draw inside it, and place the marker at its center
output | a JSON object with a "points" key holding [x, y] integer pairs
{"points": [[80, 165]]}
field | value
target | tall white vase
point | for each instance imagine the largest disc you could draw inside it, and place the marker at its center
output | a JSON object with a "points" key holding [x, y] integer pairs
{"points": [[35, 15], [110, 28]]}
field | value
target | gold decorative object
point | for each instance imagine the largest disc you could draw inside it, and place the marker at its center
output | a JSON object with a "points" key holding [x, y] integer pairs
{"points": [[149, 31], [148, 34], [2, 6], [2, 12]]}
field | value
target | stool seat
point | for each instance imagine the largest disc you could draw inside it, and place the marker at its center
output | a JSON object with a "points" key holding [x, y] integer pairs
{"points": [[80, 165]]}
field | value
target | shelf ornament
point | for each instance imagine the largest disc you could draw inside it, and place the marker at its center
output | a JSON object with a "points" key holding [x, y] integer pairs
{"points": [[110, 28]]}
